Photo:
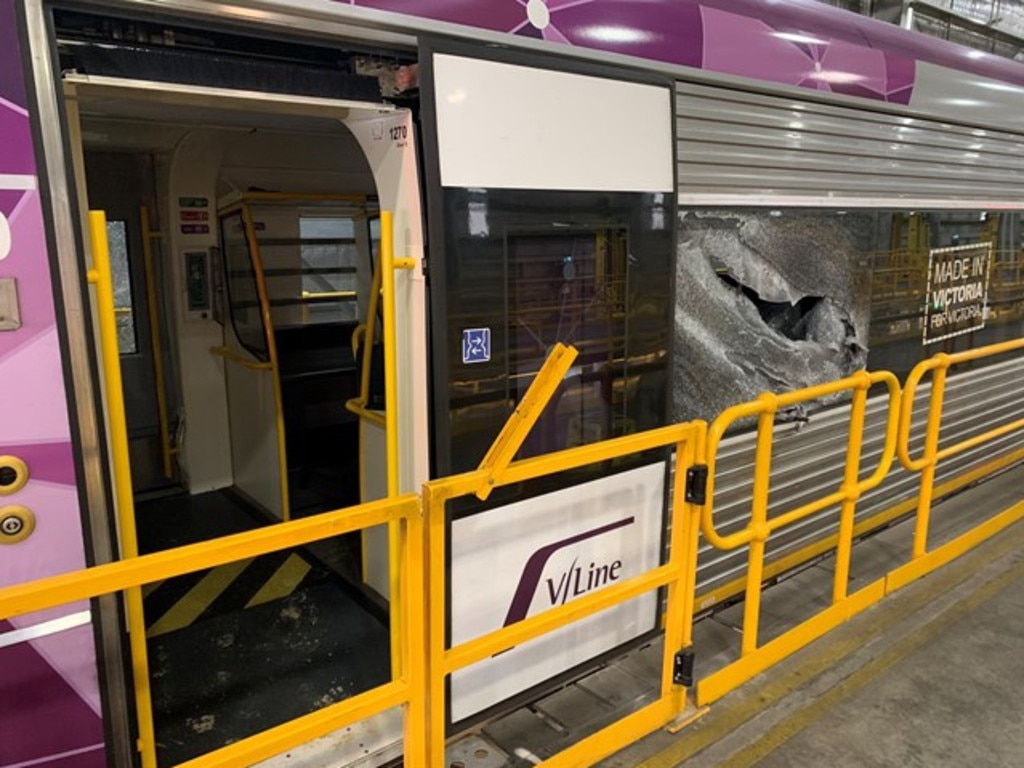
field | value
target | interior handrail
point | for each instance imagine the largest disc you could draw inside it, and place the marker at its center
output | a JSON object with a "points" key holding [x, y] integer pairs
{"points": [[229, 354]]}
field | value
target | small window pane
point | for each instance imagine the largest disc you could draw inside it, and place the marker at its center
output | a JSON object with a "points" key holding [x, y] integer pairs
{"points": [[329, 258], [124, 312]]}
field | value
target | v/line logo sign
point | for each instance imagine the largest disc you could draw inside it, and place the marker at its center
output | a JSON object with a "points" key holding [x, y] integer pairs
{"points": [[574, 581]]}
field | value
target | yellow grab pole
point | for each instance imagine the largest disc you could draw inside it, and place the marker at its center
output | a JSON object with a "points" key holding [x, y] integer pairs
{"points": [[387, 263], [929, 459], [154, 334], [758, 523], [101, 278], [268, 330]]}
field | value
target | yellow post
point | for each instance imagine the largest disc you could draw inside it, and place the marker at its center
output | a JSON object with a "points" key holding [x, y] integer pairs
{"points": [[437, 597], [415, 641], [387, 263], [154, 334], [929, 457], [681, 591], [275, 372], [124, 500], [851, 488], [758, 523]]}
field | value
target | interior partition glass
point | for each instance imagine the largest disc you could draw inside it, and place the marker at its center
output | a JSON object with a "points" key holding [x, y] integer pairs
{"points": [[243, 295]]}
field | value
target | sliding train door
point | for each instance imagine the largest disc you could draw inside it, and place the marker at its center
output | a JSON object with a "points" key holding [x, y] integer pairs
{"points": [[551, 222]]}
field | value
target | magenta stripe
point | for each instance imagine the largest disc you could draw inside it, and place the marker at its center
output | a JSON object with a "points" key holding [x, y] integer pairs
{"points": [[53, 760], [41, 716], [50, 462]]}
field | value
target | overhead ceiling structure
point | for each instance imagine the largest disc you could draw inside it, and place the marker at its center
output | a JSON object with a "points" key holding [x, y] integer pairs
{"points": [[992, 26]]}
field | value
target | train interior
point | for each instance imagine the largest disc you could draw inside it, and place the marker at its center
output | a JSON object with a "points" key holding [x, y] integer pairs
{"points": [[244, 240]]}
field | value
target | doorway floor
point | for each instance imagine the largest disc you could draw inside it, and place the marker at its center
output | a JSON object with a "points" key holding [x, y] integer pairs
{"points": [[243, 647]]}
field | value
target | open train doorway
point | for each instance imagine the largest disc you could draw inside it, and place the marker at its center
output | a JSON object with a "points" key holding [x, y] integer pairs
{"points": [[245, 232]]}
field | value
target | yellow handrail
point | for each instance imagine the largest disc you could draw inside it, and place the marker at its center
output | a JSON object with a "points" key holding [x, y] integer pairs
{"points": [[765, 408], [128, 575], [677, 575], [100, 276], [229, 354], [938, 365], [759, 529]]}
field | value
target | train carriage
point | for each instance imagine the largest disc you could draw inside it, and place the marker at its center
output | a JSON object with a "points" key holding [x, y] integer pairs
{"points": [[339, 241]]}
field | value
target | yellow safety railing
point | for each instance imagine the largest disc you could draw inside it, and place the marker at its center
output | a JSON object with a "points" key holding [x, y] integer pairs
{"points": [[755, 535], [407, 688], [423, 660], [938, 366], [677, 575]]}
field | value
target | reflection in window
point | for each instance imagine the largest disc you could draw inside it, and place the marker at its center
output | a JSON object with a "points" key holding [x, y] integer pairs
{"points": [[124, 311], [569, 287]]}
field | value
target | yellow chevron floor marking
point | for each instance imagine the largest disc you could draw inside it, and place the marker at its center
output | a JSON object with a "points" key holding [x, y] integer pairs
{"points": [[198, 599], [283, 582], [149, 589]]}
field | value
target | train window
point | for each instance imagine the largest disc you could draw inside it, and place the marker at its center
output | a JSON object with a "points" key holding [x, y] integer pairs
{"points": [[569, 286], [794, 297], [328, 264], [242, 291], [526, 269], [124, 310]]}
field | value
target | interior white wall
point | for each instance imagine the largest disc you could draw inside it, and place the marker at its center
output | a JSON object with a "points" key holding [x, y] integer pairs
{"points": [[253, 417], [205, 455]]}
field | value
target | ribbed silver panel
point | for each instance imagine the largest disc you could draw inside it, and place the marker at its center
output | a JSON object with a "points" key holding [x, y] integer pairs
{"points": [[736, 142], [807, 463]]}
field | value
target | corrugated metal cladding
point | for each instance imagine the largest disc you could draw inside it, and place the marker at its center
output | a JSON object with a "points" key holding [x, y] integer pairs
{"points": [[739, 143]]}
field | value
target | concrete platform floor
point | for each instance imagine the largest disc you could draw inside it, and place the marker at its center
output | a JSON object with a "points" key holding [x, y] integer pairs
{"points": [[931, 676]]}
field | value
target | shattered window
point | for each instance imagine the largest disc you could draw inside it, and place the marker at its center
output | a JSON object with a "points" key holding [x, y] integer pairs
{"points": [[780, 299]]}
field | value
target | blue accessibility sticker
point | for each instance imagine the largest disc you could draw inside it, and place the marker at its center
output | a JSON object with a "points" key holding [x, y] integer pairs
{"points": [[476, 345]]}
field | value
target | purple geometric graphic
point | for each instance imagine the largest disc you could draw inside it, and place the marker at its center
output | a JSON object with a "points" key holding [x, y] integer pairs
{"points": [[749, 37], [49, 690], [754, 40], [44, 720]]}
